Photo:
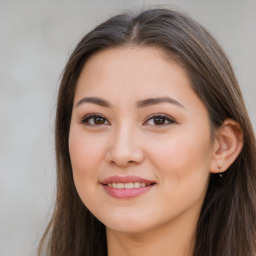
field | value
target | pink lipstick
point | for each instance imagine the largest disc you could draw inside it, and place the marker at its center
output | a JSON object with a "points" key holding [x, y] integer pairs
{"points": [[126, 186]]}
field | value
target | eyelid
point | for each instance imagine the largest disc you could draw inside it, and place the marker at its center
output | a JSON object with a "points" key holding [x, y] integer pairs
{"points": [[167, 117], [87, 117]]}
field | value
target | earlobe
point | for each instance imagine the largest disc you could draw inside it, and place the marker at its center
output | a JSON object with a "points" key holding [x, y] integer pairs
{"points": [[227, 146]]}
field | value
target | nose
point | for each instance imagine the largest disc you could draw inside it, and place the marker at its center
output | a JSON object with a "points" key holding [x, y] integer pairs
{"points": [[125, 149]]}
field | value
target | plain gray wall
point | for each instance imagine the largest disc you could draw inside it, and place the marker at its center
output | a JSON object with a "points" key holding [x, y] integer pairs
{"points": [[36, 38]]}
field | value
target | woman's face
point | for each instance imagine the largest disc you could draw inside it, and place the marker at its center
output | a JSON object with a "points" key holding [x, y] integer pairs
{"points": [[140, 141]]}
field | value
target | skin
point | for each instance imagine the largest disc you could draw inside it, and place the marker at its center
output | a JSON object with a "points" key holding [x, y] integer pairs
{"points": [[177, 155]]}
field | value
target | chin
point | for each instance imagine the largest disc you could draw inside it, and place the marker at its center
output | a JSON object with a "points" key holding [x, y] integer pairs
{"points": [[128, 224], [125, 228]]}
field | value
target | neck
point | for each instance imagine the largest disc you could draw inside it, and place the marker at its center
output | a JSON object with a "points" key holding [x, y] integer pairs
{"points": [[168, 240]]}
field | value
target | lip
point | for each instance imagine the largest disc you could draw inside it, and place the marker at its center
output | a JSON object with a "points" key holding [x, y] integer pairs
{"points": [[126, 193]]}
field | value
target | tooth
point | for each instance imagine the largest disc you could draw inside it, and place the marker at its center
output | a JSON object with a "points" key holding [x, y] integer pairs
{"points": [[128, 185], [120, 185], [136, 185]]}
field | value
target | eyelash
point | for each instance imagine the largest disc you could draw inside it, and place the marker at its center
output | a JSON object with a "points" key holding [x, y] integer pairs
{"points": [[165, 118], [93, 116]]}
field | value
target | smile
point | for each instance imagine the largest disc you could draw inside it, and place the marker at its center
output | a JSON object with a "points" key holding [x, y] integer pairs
{"points": [[127, 186]]}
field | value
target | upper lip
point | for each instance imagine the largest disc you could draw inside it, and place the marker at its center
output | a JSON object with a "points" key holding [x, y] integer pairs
{"points": [[126, 179]]}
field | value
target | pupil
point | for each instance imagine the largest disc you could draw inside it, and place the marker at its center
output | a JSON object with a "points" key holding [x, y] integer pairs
{"points": [[159, 121], [98, 120]]}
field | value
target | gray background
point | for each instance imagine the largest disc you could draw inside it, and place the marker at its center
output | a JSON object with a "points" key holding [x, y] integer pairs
{"points": [[36, 38]]}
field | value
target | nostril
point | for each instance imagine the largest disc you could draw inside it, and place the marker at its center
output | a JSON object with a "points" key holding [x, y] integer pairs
{"points": [[124, 157], [124, 163], [131, 162]]}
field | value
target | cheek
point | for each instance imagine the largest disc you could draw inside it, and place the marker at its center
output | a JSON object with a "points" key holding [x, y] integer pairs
{"points": [[182, 160], [85, 154], [183, 174], [85, 151]]}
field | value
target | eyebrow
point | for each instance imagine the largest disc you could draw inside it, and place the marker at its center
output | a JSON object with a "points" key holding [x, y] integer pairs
{"points": [[94, 100], [154, 101], [140, 104]]}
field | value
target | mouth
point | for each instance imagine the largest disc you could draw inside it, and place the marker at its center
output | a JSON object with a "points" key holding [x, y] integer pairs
{"points": [[130, 185], [127, 186]]}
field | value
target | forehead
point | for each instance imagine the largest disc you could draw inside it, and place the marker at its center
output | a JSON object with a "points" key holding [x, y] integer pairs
{"points": [[132, 69]]}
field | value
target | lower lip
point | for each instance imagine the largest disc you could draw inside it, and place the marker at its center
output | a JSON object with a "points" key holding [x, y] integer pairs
{"points": [[126, 193]]}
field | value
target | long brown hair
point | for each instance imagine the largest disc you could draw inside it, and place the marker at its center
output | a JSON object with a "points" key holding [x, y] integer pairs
{"points": [[227, 223]]}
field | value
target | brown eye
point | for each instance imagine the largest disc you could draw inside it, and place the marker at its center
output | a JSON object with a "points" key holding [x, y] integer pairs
{"points": [[159, 120], [95, 120], [99, 120]]}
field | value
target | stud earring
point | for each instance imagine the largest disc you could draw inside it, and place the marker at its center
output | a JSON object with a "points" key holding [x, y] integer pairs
{"points": [[219, 168]]}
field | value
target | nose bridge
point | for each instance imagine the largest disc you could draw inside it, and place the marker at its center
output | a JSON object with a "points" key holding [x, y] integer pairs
{"points": [[124, 149], [122, 136]]}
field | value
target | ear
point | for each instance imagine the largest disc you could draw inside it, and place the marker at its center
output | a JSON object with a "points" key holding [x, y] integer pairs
{"points": [[227, 146]]}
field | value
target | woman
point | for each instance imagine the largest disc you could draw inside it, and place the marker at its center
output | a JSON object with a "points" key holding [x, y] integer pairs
{"points": [[155, 150]]}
